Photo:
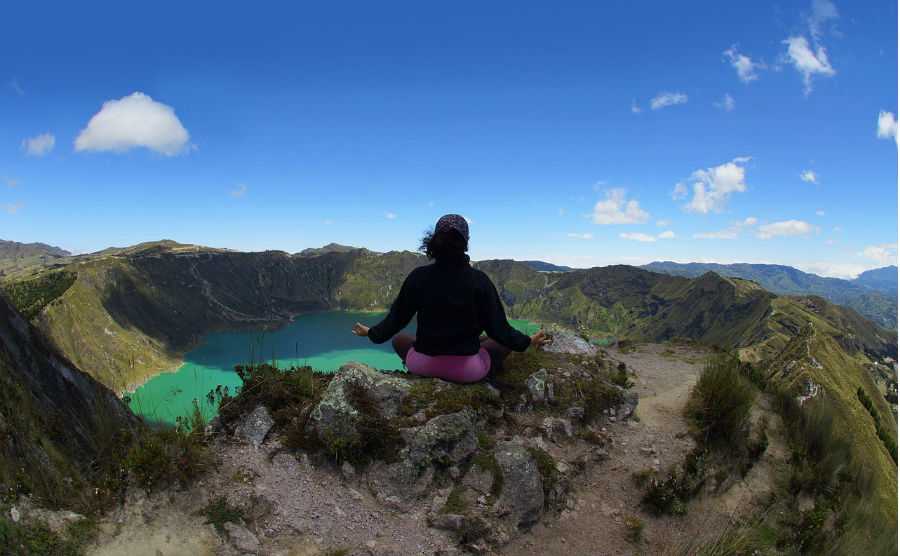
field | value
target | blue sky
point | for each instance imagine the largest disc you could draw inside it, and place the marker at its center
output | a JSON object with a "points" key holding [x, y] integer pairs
{"points": [[561, 131]]}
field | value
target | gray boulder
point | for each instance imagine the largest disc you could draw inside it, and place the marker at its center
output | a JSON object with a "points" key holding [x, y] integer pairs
{"points": [[566, 341], [336, 416], [628, 404], [445, 440], [254, 427], [398, 484], [521, 501]]}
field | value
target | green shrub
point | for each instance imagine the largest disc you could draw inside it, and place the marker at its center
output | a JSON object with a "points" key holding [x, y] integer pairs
{"points": [[219, 512], [720, 403], [670, 494], [35, 539], [285, 392], [456, 503], [165, 454]]}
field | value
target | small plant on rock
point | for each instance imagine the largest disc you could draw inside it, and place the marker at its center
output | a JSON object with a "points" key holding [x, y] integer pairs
{"points": [[634, 529]]}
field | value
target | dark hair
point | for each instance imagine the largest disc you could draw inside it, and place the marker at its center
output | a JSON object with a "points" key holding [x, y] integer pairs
{"points": [[447, 245]]}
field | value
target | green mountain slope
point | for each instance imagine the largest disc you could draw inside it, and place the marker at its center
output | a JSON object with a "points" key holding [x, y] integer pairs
{"points": [[881, 279], [873, 294], [54, 419]]}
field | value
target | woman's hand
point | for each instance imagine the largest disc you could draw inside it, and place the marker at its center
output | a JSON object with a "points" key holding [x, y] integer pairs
{"points": [[539, 339], [360, 330]]}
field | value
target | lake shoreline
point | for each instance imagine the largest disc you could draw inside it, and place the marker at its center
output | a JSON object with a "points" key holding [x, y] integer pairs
{"points": [[320, 339]]}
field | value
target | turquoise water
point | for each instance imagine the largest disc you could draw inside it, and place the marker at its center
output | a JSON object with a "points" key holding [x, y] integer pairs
{"points": [[320, 340]]}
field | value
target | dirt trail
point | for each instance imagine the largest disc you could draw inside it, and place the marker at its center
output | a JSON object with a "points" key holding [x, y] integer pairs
{"points": [[299, 510], [658, 439]]}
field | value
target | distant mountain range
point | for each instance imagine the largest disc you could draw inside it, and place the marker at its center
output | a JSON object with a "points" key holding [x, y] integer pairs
{"points": [[873, 294], [16, 256], [541, 266]]}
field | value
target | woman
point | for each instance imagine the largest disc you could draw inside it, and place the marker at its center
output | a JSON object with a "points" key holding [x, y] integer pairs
{"points": [[454, 303]]}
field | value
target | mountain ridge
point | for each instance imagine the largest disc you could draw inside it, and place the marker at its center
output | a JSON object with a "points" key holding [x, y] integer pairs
{"points": [[879, 304]]}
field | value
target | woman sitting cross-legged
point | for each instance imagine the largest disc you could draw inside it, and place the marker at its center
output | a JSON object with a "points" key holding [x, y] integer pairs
{"points": [[455, 303]]}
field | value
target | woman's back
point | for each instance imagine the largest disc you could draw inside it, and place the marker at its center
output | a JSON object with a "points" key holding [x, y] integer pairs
{"points": [[455, 303]]}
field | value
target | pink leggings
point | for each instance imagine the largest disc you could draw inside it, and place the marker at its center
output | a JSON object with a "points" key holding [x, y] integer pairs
{"points": [[457, 368]]}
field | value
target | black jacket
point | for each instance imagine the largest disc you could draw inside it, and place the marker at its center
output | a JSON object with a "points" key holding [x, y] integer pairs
{"points": [[454, 303]]}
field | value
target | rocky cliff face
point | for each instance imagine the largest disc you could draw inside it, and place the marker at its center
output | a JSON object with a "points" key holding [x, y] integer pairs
{"points": [[53, 417]]}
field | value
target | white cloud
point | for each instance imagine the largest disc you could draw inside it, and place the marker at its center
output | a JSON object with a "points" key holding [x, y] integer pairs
{"points": [[11, 182], [637, 236], [809, 176], [662, 223], [667, 99], [238, 191], [847, 271], [807, 61], [746, 68], [617, 209], [328, 221], [784, 228], [561, 211], [390, 216], [39, 145], [726, 104], [822, 12], [647, 238], [13, 208], [820, 212], [713, 186], [887, 125], [884, 254], [679, 192], [635, 108], [731, 232], [580, 236], [134, 121]]}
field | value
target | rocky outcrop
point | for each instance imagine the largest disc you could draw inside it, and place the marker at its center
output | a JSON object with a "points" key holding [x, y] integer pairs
{"points": [[454, 452], [339, 415], [566, 341]]}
